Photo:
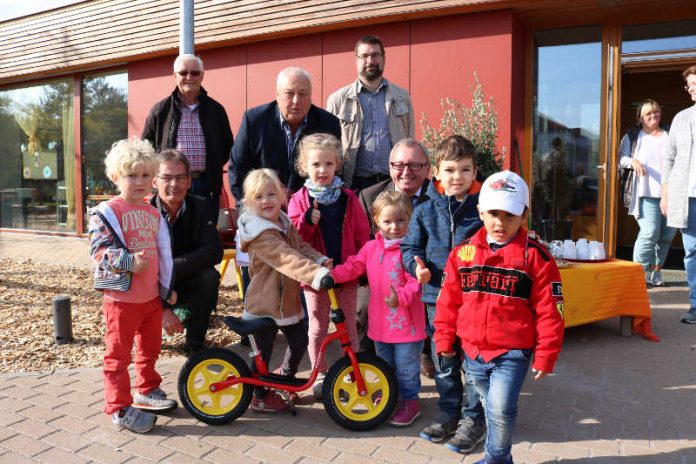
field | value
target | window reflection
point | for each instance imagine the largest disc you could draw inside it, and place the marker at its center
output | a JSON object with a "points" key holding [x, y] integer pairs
{"points": [[37, 179], [676, 35]]}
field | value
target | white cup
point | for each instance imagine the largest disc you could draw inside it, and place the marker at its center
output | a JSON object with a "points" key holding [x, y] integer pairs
{"points": [[556, 249], [597, 250], [583, 249], [569, 251]]}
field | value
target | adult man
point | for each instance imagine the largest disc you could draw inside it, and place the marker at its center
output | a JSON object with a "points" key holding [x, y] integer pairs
{"points": [[269, 133], [409, 167], [194, 124], [196, 248], [374, 115]]}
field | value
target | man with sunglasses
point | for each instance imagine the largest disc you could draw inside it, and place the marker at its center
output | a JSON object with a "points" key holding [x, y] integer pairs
{"points": [[190, 121], [374, 115]]}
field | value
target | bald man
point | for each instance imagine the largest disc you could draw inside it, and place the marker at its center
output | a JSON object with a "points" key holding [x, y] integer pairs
{"points": [[269, 133]]}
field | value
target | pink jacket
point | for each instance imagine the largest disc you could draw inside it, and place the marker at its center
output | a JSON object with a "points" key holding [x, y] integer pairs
{"points": [[384, 270], [356, 228]]}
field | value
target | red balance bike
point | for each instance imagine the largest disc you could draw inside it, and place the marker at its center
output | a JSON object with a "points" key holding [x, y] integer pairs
{"points": [[359, 393]]}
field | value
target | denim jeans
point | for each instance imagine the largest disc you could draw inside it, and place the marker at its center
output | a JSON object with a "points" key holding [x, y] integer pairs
{"points": [[654, 237], [448, 380], [404, 358], [499, 383], [689, 239]]}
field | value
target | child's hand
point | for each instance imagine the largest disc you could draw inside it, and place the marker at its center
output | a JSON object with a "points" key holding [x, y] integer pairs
{"points": [[316, 214], [172, 298], [170, 323], [139, 262], [539, 374], [447, 354], [422, 272], [392, 301], [328, 263]]}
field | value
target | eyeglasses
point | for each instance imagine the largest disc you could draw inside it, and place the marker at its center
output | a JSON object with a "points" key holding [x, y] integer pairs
{"points": [[167, 179], [413, 166], [190, 73], [374, 56]]}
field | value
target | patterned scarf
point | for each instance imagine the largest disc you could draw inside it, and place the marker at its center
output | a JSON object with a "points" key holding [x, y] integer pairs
{"points": [[325, 195]]}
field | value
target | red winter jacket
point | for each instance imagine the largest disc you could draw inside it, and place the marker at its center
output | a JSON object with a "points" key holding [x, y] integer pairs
{"points": [[496, 301]]}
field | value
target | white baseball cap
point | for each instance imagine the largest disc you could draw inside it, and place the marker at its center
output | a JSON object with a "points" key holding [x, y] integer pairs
{"points": [[505, 191]]}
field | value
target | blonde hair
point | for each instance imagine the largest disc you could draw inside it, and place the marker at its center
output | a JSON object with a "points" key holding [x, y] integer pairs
{"points": [[126, 154], [391, 198], [258, 179], [317, 142], [645, 107]]}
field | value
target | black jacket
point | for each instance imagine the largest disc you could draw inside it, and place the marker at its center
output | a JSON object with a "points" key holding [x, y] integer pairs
{"points": [[369, 195], [195, 240], [163, 122], [261, 144]]}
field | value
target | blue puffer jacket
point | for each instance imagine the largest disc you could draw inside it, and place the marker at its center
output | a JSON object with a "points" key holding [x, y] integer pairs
{"points": [[436, 227]]}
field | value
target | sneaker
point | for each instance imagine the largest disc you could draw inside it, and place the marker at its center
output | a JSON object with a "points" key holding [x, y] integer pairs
{"points": [[689, 317], [438, 431], [427, 368], [656, 278], [483, 460], [134, 420], [648, 277], [407, 412], [318, 387], [272, 402], [156, 401], [468, 435]]}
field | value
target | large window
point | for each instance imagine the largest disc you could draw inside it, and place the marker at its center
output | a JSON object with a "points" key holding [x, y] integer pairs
{"points": [[37, 158], [104, 121], [566, 125]]}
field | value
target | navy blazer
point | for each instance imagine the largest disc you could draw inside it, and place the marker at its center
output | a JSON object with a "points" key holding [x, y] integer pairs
{"points": [[261, 144]]}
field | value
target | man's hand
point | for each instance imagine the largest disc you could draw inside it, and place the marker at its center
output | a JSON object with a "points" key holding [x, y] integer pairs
{"points": [[446, 354], [316, 214], [539, 374], [170, 323], [663, 200], [392, 301], [422, 272], [139, 262]]}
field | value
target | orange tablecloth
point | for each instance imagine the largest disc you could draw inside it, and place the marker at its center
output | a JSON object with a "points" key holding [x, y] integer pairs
{"points": [[598, 291]]}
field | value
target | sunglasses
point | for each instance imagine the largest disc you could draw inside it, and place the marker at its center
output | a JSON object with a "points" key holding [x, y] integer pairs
{"points": [[190, 73]]}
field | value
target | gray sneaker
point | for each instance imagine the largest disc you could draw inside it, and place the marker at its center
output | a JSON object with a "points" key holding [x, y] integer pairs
{"points": [[468, 435], [318, 387], [155, 401], [689, 317], [438, 431], [656, 278], [134, 420]]}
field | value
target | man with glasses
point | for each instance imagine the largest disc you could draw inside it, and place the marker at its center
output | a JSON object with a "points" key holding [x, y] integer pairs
{"points": [[196, 249], [374, 115], [191, 122]]}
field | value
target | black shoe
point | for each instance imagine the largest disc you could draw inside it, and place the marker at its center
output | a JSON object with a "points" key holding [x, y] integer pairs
{"points": [[468, 435], [689, 317], [438, 431]]}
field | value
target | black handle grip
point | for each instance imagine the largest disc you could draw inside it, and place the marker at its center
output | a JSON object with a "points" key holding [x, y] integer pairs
{"points": [[326, 282]]}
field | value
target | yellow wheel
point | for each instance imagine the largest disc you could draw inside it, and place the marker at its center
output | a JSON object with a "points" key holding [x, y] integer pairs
{"points": [[205, 368], [342, 401]]}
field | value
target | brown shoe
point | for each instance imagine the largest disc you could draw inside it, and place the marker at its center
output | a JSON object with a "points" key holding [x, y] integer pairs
{"points": [[427, 368]]}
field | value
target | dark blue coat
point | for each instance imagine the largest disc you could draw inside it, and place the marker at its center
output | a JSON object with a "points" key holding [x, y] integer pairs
{"points": [[436, 227], [261, 144]]}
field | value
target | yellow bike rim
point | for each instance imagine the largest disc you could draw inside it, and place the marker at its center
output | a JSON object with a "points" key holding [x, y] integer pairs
{"points": [[361, 408], [198, 384]]}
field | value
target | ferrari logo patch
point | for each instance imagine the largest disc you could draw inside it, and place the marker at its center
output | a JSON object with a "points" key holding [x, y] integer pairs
{"points": [[560, 307], [466, 253]]}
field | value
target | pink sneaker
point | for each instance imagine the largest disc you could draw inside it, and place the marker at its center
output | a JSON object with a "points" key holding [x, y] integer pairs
{"points": [[406, 413], [272, 402]]}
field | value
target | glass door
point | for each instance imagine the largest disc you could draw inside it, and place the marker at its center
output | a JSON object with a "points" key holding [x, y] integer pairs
{"points": [[568, 167]]}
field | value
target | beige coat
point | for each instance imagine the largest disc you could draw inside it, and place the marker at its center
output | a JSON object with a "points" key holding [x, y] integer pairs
{"points": [[278, 261]]}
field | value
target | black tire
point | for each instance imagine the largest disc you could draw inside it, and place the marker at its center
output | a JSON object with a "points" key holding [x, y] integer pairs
{"points": [[206, 367], [350, 410]]}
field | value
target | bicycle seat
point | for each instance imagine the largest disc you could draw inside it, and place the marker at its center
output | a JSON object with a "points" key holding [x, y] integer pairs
{"points": [[247, 327]]}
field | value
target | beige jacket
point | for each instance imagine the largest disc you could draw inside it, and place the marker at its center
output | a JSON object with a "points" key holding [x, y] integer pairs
{"points": [[278, 261], [345, 105]]}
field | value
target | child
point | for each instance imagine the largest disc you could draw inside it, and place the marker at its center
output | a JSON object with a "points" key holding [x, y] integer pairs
{"points": [[501, 295], [278, 260], [129, 241], [396, 320], [330, 218], [437, 226]]}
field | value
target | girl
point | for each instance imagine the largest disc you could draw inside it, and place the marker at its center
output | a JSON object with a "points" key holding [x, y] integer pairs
{"points": [[395, 316], [331, 219], [278, 260]]}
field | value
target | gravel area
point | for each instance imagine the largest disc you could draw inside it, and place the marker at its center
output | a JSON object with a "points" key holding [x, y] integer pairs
{"points": [[27, 289]]}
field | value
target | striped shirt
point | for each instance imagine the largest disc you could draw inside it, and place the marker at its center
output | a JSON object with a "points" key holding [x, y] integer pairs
{"points": [[189, 138], [375, 141]]}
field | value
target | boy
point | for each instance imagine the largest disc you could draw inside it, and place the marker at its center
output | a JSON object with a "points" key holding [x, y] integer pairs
{"points": [[129, 241], [437, 226], [501, 295]]}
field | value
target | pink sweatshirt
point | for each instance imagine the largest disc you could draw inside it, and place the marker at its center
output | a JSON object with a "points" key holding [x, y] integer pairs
{"points": [[384, 270]]}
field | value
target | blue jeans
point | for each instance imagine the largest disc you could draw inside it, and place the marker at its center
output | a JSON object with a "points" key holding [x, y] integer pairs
{"points": [[654, 237], [499, 383], [404, 358], [689, 239], [448, 380]]}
